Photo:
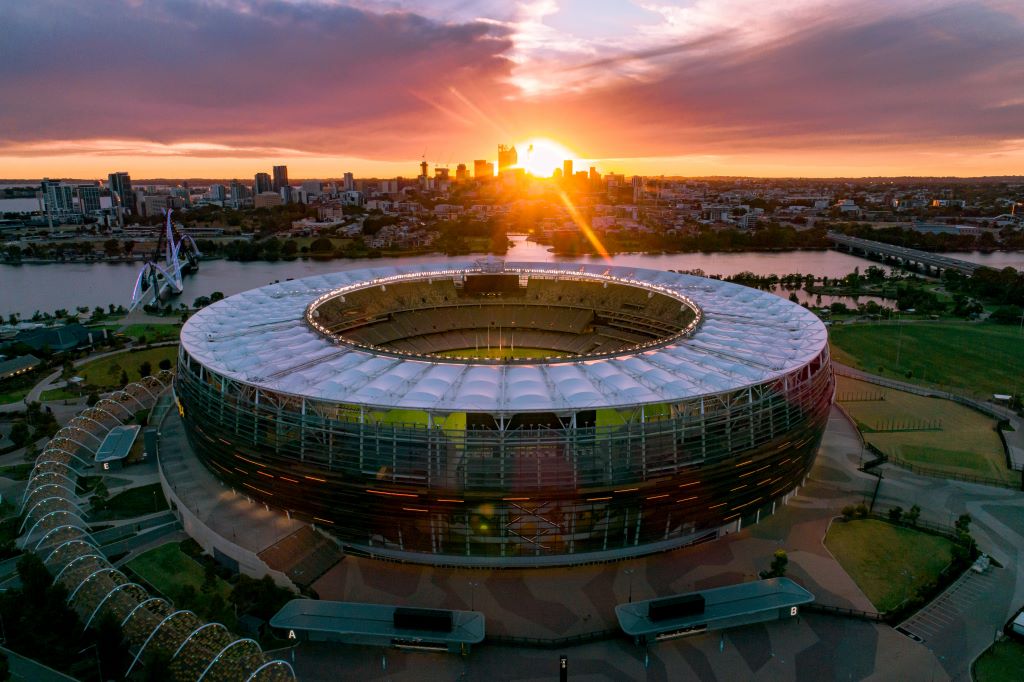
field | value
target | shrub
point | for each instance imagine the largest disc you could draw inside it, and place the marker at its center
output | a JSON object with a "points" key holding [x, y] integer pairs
{"points": [[895, 514]]}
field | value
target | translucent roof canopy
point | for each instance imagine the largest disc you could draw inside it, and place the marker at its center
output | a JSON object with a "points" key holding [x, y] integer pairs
{"points": [[261, 337]]}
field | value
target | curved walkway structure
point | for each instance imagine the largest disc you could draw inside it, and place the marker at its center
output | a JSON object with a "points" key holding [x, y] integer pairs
{"points": [[61, 536]]}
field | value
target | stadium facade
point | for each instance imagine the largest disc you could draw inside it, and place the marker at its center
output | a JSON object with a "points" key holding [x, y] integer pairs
{"points": [[508, 413]]}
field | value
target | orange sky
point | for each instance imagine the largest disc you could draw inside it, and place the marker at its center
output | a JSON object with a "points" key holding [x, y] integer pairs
{"points": [[227, 89]]}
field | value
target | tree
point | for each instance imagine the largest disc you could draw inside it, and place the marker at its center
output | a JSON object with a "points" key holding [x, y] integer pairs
{"points": [[124, 378], [848, 512], [19, 433], [165, 364], [895, 514], [963, 523], [912, 515], [777, 569], [100, 495], [145, 369], [93, 398]]}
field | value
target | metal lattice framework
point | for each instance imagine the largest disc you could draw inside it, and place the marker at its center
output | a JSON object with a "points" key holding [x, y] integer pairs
{"points": [[534, 462], [55, 527]]}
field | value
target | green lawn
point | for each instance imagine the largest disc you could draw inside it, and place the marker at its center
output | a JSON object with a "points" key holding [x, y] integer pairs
{"points": [[168, 569], [14, 395], [58, 394], [965, 441], [1002, 662], [495, 353], [889, 563], [106, 372], [975, 358], [153, 332], [144, 499], [17, 472]]}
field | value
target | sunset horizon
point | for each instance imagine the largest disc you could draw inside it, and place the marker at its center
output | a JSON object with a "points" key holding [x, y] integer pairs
{"points": [[222, 89]]}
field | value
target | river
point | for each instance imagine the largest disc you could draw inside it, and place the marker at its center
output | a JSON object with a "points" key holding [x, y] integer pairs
{"points": [[27, 288]]}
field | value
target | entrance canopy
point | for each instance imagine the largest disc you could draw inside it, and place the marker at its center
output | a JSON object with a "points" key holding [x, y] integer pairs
{"points": [[714, 609]]}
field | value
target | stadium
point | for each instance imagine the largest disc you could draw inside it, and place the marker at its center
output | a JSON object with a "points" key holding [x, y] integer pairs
{"points": [[508, 414]]}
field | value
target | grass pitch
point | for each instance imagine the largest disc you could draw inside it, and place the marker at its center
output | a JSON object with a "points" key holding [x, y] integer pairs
{"points": [[965, 443], [978, 358], [504, 353], [889, 563]]}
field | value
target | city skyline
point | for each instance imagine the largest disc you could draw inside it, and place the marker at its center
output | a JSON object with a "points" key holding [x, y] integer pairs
{"points": [[728, 88]]}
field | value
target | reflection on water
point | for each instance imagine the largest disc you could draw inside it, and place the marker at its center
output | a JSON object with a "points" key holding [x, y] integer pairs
{"points": [[27, 288]]}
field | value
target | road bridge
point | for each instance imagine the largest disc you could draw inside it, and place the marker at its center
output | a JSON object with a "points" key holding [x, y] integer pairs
{"points": [[906, 257]]}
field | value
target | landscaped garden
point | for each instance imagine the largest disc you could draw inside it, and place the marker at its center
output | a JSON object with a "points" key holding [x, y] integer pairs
{"points": [[107, 372]]}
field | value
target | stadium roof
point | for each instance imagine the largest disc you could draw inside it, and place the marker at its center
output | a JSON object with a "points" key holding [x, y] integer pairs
{"points": [[261, 337]]}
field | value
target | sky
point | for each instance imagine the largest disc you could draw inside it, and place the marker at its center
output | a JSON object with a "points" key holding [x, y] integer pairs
{"points": [[227, 88]]}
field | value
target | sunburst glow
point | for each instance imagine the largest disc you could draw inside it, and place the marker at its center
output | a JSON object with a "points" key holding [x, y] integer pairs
{"points": [[540, 156]]}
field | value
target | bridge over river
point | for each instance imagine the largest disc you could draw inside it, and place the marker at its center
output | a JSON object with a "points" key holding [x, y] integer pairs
{"points": [[904, 256]]}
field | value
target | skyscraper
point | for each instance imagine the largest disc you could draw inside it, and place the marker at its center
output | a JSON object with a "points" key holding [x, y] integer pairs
{"points": [[280, 177], [461, 175], [349, 183], [58, 200], [483, 169], [218, 193], [567, 168], [507, 157], [262, 184], [121, 195]]}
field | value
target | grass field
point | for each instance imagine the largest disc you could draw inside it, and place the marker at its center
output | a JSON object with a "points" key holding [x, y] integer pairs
{"points": [[153, 332], [128, 504], [168, 569], [58, 394], [106, 372], [14, 395], [522, 353], [17, 472], [967, 442], [972, 358], [888, 563], [1002, 662]]}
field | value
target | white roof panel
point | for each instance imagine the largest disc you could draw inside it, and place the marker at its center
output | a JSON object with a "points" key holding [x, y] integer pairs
{"points": [[746, 337]]}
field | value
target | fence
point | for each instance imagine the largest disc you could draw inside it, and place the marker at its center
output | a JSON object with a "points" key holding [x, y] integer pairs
{"points": [[554, 643], [816, 607]]}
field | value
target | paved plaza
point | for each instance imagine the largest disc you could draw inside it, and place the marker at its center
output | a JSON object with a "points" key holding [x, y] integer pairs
{"points": [[557, 603]]}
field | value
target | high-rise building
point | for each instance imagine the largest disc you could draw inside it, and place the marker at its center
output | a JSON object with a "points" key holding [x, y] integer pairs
{"points": [[483, 169], [594, 175], [286, 194], [237, 194], [567, 168], [638, 188], [312, 188], [349, 183], [262, 184], [58, 200], [461, 174], [507, 157], [280, 177], [218, 193], [88, 198], [121, 195]]}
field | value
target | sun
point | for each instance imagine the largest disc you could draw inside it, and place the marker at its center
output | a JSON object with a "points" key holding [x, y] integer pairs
{"points": [[540, 156]]}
